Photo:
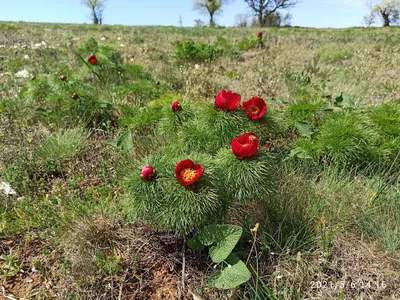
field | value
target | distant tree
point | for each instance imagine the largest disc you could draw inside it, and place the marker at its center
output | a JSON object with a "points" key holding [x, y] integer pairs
{"points": [[242, 20], [96, 9], [387, 10], [198, 23], [262, 9], [273, 20], [210, 7]]}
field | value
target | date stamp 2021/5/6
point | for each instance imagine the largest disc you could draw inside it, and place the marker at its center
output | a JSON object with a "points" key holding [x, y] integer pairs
{"points": [[376, 284]]}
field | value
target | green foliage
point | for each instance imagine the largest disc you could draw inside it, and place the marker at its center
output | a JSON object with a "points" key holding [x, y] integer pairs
{"points": [[230, 276], [248, 43], [137, 72], [60, 147], [343, 139], [244, 180], [233, 272], [224, 237], [90, 46], [294, 81], [108, 264], [306, 111], [333, 55], [198, 52], [166, 202], [387, 119], [213, 129], [143, 91]]}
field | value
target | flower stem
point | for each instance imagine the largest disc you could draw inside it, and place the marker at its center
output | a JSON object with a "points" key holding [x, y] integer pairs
{"points": [[94, 72], [179, 118], [183, 266]]}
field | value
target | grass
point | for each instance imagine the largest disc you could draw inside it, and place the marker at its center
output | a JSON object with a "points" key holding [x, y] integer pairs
{"points": [[324, 187]]}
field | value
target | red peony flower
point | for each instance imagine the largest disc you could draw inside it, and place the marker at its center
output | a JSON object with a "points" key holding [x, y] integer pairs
{"points": [[187, 172], [226, 100], [92, 59], [255, 108], [259, 35], [148, 173], [175, 106], [75, 96], [245, 145]]}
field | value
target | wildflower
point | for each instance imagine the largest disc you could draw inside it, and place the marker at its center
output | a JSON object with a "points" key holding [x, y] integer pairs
{"points": [[260, 35], [245, 145], [92, 60], [226, 100], [75, 96], [175, 106], [63, 77], [255, 108], [187, 172], [148, 173]]}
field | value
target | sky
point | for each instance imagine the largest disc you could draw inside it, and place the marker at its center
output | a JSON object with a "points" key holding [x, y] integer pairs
{"points": [[309, 13]]}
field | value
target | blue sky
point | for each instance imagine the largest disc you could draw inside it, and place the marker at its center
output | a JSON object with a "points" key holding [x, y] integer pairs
{"points": [[309, 13]]}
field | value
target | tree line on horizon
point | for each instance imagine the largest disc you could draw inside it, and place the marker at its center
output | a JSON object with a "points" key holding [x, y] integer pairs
{"points": [[266, 13]]}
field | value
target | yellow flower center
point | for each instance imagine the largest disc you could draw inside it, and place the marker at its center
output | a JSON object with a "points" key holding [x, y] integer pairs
{"points": [[253, 109], [251, 139], [188, 174]]}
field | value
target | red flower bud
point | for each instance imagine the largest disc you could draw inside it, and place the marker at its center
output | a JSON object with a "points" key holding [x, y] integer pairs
{"points": [[187, 172], [226, 100], [260, 35], [75, 96], [175, 106], [245, 145], [255, 108], [92, 59], [148, 173]]}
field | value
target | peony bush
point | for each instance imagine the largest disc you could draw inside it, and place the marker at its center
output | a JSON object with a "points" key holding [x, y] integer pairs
{"points": [[211, 159]]}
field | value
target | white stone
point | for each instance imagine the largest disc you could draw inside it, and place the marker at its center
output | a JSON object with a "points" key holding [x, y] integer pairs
{"points": [[23, 74], [7, 189]]}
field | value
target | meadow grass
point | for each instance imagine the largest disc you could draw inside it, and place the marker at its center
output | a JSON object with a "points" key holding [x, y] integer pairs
{"points": [[327, 203]]}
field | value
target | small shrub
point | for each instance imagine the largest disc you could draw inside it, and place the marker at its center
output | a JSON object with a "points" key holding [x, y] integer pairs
{"points": [[192, 51], [248, 43], [60, 147], [387, 119]]}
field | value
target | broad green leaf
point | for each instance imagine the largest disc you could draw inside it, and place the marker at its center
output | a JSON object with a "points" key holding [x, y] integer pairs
{"points": [[195, 244], [224, 236], [125, 141], [230, 277], [304, 129]]}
